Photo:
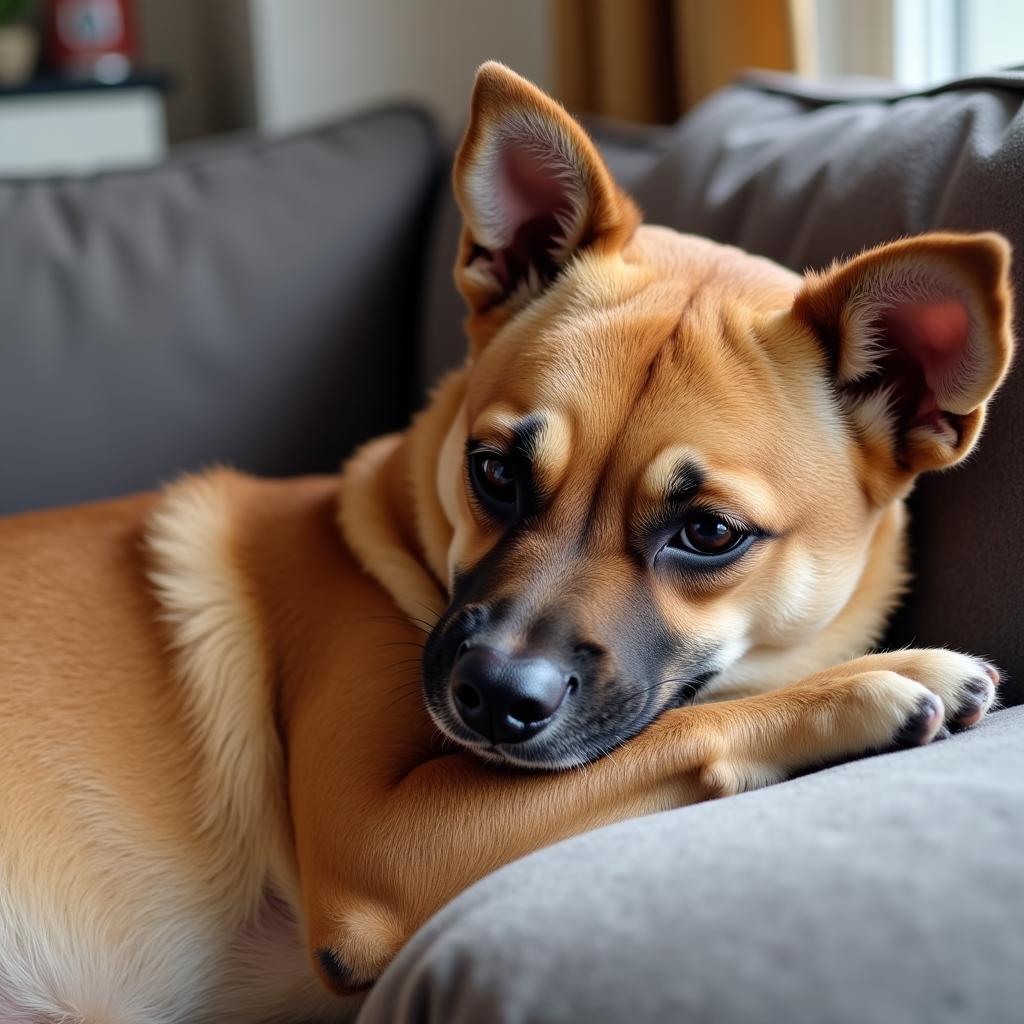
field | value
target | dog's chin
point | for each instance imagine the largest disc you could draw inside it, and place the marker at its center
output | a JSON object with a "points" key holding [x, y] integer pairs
{"points": [[513, 757], [553, 752], [556, 748], [557, 751]]}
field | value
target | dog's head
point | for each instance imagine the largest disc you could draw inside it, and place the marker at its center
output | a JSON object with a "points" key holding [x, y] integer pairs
{"points": [[671, 459]]}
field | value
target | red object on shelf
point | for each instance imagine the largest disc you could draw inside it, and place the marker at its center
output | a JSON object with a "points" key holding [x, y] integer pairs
{"points": [[92, 38]]}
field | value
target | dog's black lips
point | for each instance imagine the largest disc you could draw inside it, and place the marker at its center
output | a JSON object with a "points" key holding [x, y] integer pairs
{"points": [[632, 671], [689, 689], [590, 737]]}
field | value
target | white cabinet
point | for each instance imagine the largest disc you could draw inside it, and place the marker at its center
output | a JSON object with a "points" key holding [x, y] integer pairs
{"points": [[66, 128]]}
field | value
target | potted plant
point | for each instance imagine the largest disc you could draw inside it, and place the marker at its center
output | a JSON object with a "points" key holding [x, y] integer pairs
{"points": [[19, 42]]}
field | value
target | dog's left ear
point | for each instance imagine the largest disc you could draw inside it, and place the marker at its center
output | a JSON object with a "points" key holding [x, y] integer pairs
{"points": [[918, 335], [533, 192]]}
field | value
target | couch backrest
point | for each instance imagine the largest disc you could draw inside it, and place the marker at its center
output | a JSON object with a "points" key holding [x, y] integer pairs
{"points": [[250, 301]]}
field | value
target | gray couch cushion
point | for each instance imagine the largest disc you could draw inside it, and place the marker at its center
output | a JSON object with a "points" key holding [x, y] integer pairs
{"points": [[804, 175], [887, 890], [252, 302]]}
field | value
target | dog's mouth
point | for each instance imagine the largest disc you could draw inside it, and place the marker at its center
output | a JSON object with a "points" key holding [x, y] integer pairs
{"points": [[543, 692], [575, 736]]}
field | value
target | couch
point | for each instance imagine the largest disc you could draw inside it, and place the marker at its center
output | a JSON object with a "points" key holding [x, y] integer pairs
{"points": [[239, 304]]}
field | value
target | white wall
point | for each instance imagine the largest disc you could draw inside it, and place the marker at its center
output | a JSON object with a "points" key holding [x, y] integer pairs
{"points": [[992, 35], [919, 42], [854, 37], [316, 58]]}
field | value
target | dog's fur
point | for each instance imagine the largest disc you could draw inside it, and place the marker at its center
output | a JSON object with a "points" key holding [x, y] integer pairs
{"points": [[222, 770]]}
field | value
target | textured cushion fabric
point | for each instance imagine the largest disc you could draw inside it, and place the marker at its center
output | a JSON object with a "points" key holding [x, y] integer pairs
{"points": [[887, 890], [251, 302], [805, 175]]}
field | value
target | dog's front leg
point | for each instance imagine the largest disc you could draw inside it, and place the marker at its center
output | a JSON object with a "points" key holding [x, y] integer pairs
{"points": [[379, 857], [965, 685]]}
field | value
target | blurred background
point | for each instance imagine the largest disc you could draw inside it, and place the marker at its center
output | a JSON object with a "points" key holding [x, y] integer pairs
{"points": [[86, 84], [271, 304]]}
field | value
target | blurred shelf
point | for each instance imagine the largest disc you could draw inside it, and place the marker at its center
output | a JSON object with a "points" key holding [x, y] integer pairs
{"points": [[63, 126], [50, 85]]}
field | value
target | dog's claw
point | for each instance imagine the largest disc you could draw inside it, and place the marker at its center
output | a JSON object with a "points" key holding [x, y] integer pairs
{"points": [[979, 694], [992, 672], [924, 723]]}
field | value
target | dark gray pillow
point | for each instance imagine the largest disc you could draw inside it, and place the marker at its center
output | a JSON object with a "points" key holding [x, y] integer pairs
{"points": [[252, 302]]}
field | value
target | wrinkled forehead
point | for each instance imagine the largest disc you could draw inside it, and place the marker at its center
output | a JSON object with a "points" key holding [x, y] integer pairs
{"points": [[609, 321], [647, 380]]}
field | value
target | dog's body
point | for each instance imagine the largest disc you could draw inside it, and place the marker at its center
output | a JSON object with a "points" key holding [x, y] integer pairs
{"points": [[146, 859], [218, 776]]}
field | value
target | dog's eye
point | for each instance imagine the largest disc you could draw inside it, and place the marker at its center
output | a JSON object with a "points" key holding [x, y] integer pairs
{"points": [[495, 481], [707, 542], [706, 533], [498, 479]]}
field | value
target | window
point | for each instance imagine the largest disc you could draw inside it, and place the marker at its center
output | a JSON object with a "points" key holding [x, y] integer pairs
{"points": [[919, 42]]}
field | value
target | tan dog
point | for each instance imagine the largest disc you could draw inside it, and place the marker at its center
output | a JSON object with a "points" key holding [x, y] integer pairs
{"points": [[670, 473]]}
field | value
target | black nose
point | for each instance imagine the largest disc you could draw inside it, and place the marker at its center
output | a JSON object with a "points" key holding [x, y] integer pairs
{"points": [[504, 698]]}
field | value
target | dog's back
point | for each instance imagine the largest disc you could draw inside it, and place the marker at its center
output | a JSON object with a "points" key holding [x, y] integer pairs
{"points": [[128, 891]]}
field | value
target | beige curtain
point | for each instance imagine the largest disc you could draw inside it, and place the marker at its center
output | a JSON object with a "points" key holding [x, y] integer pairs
{"points": [[650, 60]]}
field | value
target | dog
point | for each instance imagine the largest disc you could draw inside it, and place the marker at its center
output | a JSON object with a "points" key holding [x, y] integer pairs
{"points": [[254, 733]]}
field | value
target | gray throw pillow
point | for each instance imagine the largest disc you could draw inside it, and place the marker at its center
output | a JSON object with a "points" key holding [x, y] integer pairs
{"points": [[250, 301]]}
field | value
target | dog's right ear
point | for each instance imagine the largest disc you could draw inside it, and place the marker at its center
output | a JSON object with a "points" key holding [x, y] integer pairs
{"points": [[533, 192], [918, 336]]}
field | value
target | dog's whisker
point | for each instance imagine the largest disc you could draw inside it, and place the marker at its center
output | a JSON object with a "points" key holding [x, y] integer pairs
{"points": [[429, 611], [421, 624], [382, 669], [400, 663], [403, 692], [645, 690], [402, 620]]}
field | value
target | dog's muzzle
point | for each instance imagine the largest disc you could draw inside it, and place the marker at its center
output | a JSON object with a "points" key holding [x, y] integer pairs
{"points": [[506, 698]]}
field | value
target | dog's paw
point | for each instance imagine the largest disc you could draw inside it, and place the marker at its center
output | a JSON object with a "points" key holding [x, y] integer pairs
{"points": [[922, 724], [875, 708], [978, 696], [966, 685]]}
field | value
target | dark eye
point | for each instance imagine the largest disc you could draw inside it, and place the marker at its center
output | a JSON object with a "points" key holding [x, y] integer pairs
{"points": [[498, 479], [495, 481], [706, 533]]}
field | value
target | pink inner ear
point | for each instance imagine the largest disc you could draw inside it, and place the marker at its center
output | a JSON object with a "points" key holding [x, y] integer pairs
{"points": [[533, 196], [528, 187], [928, 342]]}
